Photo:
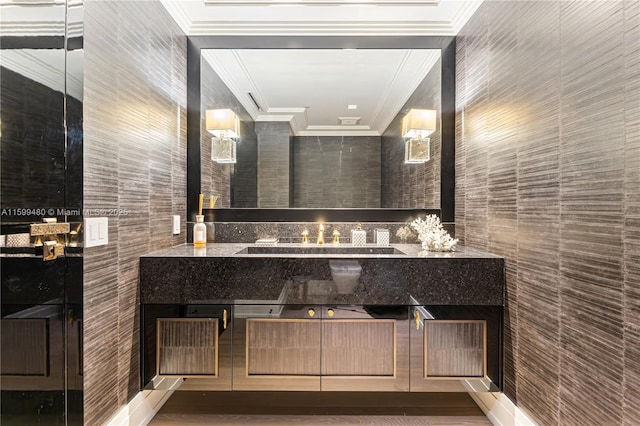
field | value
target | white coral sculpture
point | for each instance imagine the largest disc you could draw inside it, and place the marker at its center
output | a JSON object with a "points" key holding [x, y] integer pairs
{"points": [[432, 234]]}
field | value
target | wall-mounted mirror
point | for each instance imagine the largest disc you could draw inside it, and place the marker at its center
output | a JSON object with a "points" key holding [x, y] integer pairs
{"points": [[321, 121], [321, 128]]}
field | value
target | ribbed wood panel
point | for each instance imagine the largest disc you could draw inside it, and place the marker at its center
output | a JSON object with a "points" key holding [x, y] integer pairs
{"points": [[24, 346], [188, 347], [454, 349], [358, 347], [555, 86], [134, 160], [283, 347]]}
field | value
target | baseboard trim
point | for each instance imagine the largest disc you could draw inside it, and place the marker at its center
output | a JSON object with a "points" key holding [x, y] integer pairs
{"points": [[499, 409], [144, 406]]}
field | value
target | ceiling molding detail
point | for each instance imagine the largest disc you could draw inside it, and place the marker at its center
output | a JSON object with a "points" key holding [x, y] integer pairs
{"points": [[321, 2], [320, 28], [330, 17], [464, 14], [32, 28], [45, 67], [179, 14]]}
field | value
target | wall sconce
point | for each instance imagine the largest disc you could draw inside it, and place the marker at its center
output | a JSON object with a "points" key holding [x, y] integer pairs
{"points": [[417, 125], [224, 125]]}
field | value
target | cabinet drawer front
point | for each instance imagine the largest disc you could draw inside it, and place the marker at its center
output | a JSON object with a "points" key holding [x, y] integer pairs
{"points": [[283, 347], [454, 349], [188, 347], [359, 348]]}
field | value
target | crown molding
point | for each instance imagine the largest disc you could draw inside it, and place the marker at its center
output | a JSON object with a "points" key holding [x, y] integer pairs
{"points": [[178, 13], [464, 14], [322, 28], [32, 28], [321, 2]]}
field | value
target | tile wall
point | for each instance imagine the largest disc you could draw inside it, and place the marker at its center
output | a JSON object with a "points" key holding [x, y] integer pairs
{"points": [[413, 185], [548, 175], [135, 168], [215, 177], [273, 163], [336, 171]]}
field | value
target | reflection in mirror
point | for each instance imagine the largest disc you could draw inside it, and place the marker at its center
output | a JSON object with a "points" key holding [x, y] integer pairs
{"points": [[41, 165], [321, 128]]}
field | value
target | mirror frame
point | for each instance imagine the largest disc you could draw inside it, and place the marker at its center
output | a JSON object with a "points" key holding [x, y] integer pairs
{"points": [[446, 44]]}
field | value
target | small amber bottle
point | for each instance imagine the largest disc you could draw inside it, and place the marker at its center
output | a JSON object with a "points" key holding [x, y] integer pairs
{"points": [[199, 232]]}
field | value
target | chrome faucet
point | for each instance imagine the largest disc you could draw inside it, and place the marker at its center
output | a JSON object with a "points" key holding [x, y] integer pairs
{"points": [[321, 234]]}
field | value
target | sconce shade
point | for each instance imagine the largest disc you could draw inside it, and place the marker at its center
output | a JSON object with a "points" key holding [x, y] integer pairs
{"points": [[419, 123], [222, 123]]}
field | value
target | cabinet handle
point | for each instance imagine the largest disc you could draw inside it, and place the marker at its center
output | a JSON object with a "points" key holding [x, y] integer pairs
{"points": [[224, 319], [330, 313], [417, 315], [311, 312]]}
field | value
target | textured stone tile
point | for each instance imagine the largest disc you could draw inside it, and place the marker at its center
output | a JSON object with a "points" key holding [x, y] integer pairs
{"points": [[135, 161], [550, 111], [336, 171], [413, 185]]}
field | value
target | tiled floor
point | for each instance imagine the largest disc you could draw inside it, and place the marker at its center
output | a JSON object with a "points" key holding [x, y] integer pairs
{"points": [[320, 408]]}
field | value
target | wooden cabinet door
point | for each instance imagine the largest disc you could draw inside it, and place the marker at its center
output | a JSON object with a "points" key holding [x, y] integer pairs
{"points": [[187, 347], [361, 352], [277, 353], [446, 354]]}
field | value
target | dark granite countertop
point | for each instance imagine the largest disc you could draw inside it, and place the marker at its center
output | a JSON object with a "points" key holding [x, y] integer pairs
{"points": [[409, 251], [219, 275]]}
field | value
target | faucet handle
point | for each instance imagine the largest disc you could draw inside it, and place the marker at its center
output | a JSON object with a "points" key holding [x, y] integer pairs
{"points": [[336, 236], [305, 236]]}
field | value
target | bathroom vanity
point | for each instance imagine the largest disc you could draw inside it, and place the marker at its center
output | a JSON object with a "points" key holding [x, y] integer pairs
{"points": [[308, 317]]}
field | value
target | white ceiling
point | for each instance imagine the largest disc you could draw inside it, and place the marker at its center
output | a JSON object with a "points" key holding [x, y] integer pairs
{"points": [[310, 88], [313, 88]]}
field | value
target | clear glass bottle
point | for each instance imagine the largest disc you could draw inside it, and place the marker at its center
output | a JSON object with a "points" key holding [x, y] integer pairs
{"points": [[199, 232]]}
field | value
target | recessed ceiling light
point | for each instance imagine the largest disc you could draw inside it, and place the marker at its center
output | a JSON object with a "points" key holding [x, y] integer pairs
{"points": [[352, 106]]}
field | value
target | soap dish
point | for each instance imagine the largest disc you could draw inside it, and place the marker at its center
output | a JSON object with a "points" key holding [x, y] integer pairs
{"points": [[267, 242]]}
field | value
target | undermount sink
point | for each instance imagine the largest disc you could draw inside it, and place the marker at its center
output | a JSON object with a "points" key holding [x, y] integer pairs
{"points": [[318, 249]]}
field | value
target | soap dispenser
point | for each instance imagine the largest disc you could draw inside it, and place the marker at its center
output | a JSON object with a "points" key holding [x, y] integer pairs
{"points": [[200, 229], [358, 236]]}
